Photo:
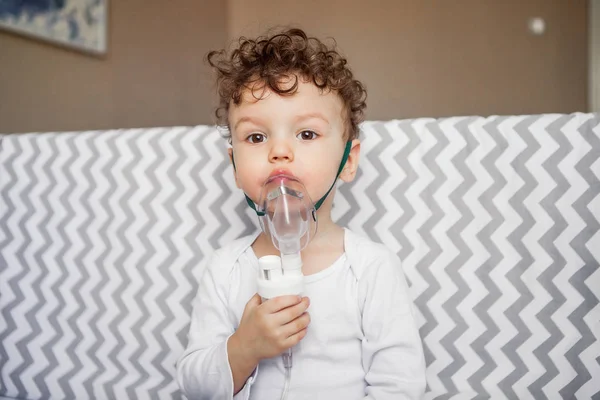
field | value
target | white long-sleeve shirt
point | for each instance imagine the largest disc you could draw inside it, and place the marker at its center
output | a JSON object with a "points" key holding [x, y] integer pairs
{"points": [[362, 341]]}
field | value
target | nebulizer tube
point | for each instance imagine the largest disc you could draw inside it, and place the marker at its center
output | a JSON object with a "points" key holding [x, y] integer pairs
{"points": [[288, 216]]}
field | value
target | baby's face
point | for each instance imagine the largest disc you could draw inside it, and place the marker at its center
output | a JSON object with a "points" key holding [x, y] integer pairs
{"points": [[301, 135]]}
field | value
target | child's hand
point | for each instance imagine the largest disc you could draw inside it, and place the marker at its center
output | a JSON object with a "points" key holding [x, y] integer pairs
{"points": [[268, 329]]}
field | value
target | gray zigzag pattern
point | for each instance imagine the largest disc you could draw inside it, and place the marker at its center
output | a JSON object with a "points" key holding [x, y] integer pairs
{"points": [[149, 253], [464, 253], [25, 198], [200, 223], [56, 288], [78, 260], [373, 156], [47, 240], [425, 230], [15, 282], [558, 261], [399, 193], [100, 262], [495, 255], [120, 265], [162, 297], [69, 220], [515, 238], [80, 180], [93, 164], [580, 244], [191, 238], [7, 324]]}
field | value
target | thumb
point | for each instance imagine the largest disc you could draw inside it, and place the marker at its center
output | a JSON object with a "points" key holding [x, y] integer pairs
{"points": [[254, 302]]}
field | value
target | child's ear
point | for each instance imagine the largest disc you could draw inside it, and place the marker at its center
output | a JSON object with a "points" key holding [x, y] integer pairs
{"points": [[230, 152], [349, 172]]}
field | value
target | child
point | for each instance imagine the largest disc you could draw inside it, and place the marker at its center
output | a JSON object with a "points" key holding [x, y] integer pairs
{"points": [[291, 106]]}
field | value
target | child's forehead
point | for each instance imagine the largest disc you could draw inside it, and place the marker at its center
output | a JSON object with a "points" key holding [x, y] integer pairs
{"points": [[301, 91]]}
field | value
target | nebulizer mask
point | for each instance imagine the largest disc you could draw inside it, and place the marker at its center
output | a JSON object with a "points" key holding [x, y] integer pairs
{"points": [[287, 214]]}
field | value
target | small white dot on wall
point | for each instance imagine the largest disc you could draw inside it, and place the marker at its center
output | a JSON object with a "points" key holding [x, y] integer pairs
{"points": [[537, 25]]}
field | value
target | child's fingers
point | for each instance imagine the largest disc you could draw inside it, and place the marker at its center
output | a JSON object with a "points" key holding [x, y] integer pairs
{"points": [[291, 313], [295, 338], [253, 302], [277, 304], [296, 325]]}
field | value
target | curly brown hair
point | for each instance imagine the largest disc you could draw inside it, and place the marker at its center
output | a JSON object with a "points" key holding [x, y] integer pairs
{"points": [[269, 61]]}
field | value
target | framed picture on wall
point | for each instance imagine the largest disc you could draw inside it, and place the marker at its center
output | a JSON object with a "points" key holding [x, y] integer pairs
{"points": [[78, 24]]}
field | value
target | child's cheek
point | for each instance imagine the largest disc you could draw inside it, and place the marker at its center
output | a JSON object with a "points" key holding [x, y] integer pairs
{"points": [[316, 185]]}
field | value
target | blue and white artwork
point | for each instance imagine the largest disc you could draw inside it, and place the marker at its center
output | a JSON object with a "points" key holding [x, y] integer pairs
{"points": [[75, 23]]}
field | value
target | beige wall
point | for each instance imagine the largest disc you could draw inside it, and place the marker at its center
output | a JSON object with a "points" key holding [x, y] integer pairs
{"points": [[153, 75], [417, 58], [440, 58]]}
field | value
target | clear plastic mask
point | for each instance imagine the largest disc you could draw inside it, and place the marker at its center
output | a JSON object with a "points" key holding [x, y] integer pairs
{"points": [[289, 216]]}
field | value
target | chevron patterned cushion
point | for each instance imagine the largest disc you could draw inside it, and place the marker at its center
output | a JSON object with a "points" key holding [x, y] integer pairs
{"points": [[104, 234]]}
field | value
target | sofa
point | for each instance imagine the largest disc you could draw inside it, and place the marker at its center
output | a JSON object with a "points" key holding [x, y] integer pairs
{"points": [[104, 235]]}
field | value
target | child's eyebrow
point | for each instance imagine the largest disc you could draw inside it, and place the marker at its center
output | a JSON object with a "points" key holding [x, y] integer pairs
{"points": [[301, 117], [311, 115], [245, 119]]}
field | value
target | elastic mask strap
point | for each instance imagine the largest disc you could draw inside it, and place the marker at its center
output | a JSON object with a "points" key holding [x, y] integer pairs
{"points": [[322, 199], [344, 159], [251, 204]]}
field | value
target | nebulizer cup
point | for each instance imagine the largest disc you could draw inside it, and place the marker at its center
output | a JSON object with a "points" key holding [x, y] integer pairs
{"points": [[288, 216]]}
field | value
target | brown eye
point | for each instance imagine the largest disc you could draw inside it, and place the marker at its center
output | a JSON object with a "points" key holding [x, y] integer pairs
{"points": [[256, 138], [307, 135]]}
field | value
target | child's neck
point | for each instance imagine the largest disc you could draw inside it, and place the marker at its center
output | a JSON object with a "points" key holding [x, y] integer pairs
{"points": [[322, 251]]}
